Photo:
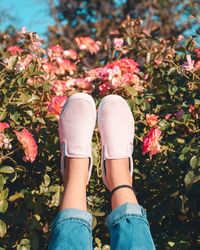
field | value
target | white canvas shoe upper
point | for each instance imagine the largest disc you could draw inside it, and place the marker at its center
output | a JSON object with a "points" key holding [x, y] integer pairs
{"points": [[76, 125], [116, 126]]}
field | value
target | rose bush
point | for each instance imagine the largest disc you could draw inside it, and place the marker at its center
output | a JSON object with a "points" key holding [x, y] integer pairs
{"points": [[160, 80]]}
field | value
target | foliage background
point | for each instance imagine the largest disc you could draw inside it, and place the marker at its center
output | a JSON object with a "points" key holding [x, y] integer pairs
{"points": [[166, 185]]}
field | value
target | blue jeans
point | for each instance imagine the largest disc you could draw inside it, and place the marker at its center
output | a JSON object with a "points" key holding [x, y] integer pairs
{"points": [[127, 225]]}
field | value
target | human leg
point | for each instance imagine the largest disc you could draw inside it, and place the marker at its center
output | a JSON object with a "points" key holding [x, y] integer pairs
{"points": [[71, 229], [127, 223]]}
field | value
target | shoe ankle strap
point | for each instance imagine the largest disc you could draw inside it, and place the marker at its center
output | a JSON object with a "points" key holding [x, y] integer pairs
{"points": [[118, 187]]}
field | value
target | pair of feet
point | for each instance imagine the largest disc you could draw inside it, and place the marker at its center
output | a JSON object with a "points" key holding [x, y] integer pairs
{"points": [[76, 126]]}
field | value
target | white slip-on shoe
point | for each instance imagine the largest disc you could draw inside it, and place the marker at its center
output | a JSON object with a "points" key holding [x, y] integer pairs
{"points": [[76, 126], [116, 126]]}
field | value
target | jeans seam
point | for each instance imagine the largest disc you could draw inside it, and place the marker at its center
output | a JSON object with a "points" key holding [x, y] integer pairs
{"points": [[128, 216], [72, 219]]}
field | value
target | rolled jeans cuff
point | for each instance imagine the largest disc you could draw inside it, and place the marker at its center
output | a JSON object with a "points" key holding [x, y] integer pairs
{"points": [[72, 214], [124, 211]]}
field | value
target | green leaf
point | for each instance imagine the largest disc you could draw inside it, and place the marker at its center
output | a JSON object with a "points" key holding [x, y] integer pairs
{"points": [[46, 180], [16, 196], [7, 170], [4, 194], [131, 91], [14, 116], [172, 90], [171, 243], [3, 206], [3, 228], [195, 161], [2, 181], [189, 178], [94, 222], [196, 101]]}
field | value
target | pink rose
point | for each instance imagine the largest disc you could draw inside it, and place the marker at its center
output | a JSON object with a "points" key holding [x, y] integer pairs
{"points": [[14, 50], [3, 125], [197, 51], [151, 120], [151, 142], [56, 104], [29, 144]]}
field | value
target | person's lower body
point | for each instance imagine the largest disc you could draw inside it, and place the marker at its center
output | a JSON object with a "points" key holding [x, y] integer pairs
{"points": [[127, 223]]}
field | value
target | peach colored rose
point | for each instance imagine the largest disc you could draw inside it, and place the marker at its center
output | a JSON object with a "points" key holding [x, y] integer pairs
{"points": [[56, 104], [29, 144], [65, 65], [87, 43], [3, 125], [71, 54], [151, 142], [59, 87], [151, 120], [82, 83]]}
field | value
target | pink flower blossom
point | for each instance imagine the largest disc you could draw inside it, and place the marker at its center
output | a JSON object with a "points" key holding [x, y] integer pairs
{"points": [[115, 76], [197, 65], [34, 46], [56, 104], [23, 62], [55, 51], [168, 116], [14, 50], [180, 38], [29, 144], [3, 125], [118, 43], [87, 43], [189, 65], [82, 83], [151, 143], [59, 87], [65, 65], [71, 54], [151, 120], [104, 88], [4, 141], [191, 108], [197, 51], [126, 65]]}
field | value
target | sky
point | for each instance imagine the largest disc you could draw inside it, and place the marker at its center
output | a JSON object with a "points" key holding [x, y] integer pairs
{"points": [[33, 14]]}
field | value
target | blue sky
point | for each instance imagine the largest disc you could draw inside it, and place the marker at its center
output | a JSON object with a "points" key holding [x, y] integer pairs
{"points": [[33, 14]]}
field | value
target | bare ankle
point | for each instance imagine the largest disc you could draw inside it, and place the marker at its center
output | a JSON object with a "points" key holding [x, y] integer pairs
{"points": [[117, 173]]}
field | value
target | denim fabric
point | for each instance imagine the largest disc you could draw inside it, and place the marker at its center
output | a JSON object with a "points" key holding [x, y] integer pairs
{"points": [[127, 224], [129, 228], [71, 230]]}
